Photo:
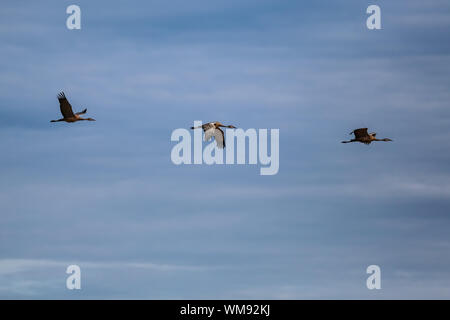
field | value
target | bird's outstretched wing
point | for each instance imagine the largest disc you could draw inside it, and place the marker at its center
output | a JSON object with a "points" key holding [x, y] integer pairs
{"points": [[218, 136], [64, 105], [220, 139], [209, 133], [208, 128], [81, 112], [360, 133]]}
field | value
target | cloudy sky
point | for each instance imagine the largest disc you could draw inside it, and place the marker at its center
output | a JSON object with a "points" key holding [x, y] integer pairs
{"points": [[105, 195]]}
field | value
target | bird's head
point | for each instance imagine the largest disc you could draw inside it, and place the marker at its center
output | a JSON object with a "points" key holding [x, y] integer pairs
{"points": [[218, 124]]}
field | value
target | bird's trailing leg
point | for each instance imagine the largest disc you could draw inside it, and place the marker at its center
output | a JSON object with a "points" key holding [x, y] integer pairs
{"points": [[57, 120]]}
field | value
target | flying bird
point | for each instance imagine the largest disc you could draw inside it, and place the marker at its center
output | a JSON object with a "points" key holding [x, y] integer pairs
{"points": [[67, 112], [362, 136], [212, 129]]}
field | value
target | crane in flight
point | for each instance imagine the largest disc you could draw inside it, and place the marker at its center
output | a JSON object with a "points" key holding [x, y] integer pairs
{"points": [[361, 135], [212, 129], [67, 112]]}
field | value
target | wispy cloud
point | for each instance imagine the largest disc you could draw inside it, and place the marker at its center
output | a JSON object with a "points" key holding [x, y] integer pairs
{"points": [[13, 266]]}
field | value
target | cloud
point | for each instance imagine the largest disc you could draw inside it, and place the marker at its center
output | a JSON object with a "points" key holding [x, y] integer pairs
{"points": [[13, 266], [22, 278]]}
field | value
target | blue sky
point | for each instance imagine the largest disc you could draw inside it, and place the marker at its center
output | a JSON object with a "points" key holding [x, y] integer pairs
{"points": [[105, 195]]}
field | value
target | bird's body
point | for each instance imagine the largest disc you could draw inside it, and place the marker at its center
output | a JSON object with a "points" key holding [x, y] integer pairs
{"points": [[212, 129], [361, 135], [67, 112]]}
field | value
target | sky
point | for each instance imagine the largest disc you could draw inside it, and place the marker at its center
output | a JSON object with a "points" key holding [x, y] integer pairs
{"points": [[106, 196]]}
